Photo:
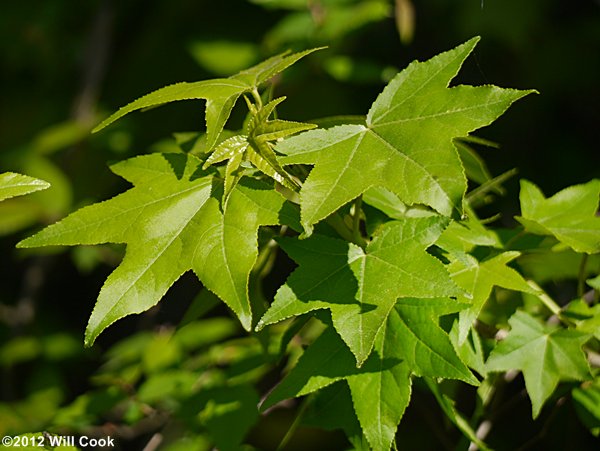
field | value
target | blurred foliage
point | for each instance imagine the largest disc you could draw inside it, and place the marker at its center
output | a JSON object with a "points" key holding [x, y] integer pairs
{"points": [[64, 64]]}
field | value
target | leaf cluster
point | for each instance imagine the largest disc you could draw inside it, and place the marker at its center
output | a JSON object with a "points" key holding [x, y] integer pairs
{"points": [[397, 280]]}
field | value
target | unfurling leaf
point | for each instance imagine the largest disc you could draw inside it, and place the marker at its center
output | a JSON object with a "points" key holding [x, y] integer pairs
{"points": [[255, 147]]}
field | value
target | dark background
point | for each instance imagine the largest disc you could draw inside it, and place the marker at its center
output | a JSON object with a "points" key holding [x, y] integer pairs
{"points": [[65, 65]]}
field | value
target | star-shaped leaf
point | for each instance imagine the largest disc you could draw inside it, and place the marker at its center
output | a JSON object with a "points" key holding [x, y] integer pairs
{"points": [[12, 185], [380, 390], [569, 215], [478, 279], [406, 145], [220, 94], [361, 287], [171, 223], [410, 342], [545, 354]]}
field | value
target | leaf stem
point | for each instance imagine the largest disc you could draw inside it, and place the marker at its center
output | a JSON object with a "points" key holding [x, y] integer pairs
{"points": [[546, 300], [581, 276], [257, 98], [338, 224], [290, 432]]}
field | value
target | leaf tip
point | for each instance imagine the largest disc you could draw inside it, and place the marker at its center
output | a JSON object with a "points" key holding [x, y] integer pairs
{"points": [[89, 338], [246, 321]]}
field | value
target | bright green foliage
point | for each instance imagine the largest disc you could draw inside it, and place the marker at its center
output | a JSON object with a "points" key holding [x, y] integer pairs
{"points": [[172, 223], [545, 354], [569, 216], [400, 276], [361, 287], [424, 345], [594, 283], [380, 389], [410, 342], [406, 143], [220, 94], [255, 146], [12, 185], [478, 278]]}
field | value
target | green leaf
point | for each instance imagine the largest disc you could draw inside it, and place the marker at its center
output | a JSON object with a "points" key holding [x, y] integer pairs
{"points": [[569, 215], [410, 342], [462, 236], [361, 287], [220, 94], [12, 185], [478, 279], [586, 318], [586, 400], [594, 283], [406, 145], [255, 147], [475, 167], [425, 346], [171, 223], [381, 392], [380, 389], [545, 354]]}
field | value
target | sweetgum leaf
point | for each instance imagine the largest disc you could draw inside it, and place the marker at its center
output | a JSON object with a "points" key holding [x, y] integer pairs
{"points": [[406, 145], [545, 354], [478, 279], [569, 215], [12, 185], [220, 94], [381, 392], [380, 389], [361, 287], [425, 346], [410, 342], [171, 223]]}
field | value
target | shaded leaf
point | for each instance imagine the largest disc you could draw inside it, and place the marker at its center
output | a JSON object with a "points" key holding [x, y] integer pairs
{"points": [[586, 318], [380, 390], [545, 354], [586, 400], [361, 287]]}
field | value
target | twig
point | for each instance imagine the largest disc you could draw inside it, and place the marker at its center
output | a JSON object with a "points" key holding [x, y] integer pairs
{"points": [[581, 276]]}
